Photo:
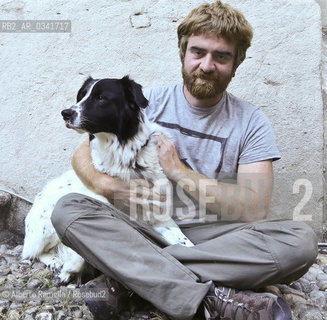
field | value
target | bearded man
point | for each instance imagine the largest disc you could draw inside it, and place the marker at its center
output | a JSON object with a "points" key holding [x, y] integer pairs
{"points": [[220, 160]]}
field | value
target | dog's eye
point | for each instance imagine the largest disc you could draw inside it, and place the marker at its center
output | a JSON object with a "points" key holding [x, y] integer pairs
{"points": [[101, 98]]}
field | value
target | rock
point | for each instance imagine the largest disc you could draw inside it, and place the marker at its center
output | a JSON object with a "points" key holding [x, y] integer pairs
{"points": [[296, 285], [58, 308], [322, 285], [49, 308], [13, 267], [44, 316], [4, 271], [306, 286], [5, 304], [25, 262], [5, 199], [10, 279], [310, 314], [18, 250], [34, 283], [15, 306], [321, 277], [5, 204], [10, 239], [33, 303], [71, 286], [77, 314], [19, 283], [31, 311], [25, 277], [322, 259], [318, 298], [60, 315], [324, 268], [13, 315], [3, 261], [312, 273], [38, 265]]}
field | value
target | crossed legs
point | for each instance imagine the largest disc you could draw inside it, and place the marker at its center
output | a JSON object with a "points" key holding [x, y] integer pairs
{"points": [[175, 279]]}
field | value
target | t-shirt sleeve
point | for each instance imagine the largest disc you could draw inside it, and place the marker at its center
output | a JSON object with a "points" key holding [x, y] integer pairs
{"points": [[258, 143], [157, 98], [152, 97]]}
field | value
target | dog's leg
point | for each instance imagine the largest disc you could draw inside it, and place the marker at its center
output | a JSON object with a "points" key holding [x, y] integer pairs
{"points": [[39, 233], [50, 260], [73, 263], [163, 222]]}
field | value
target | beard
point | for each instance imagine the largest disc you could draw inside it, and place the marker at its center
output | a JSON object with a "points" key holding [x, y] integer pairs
{"points": [[215, 85]]}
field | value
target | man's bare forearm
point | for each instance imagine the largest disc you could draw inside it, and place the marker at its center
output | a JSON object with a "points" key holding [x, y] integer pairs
{"points": [[96, 181], [228, 201]]}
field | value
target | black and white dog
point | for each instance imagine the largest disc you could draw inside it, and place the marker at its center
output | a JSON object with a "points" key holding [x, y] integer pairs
{"points": [[122, 143]]}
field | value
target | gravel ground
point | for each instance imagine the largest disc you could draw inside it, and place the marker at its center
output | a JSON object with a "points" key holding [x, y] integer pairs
{"points": [[29, 291]]}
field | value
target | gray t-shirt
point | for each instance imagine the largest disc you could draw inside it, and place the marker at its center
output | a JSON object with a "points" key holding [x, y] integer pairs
{"points": [[212, 141]]}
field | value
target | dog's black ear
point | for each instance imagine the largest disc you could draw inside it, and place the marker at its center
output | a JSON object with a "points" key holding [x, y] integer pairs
{"points": [[82, 91], [134, 92], [89, 78], [87, 81]]}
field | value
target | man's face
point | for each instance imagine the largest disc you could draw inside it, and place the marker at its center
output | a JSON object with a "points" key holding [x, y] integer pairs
{"points": [[208, 65]]}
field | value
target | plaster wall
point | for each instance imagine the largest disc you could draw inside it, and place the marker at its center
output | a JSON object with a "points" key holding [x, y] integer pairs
{"points": [[41, 73], [323, 5]]}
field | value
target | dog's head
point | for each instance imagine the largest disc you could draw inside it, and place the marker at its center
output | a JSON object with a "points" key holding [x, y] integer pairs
{"points": [[107, 105]]}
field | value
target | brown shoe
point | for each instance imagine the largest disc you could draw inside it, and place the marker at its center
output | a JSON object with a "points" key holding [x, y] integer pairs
{"points": [[110, 300], [229, 304]]}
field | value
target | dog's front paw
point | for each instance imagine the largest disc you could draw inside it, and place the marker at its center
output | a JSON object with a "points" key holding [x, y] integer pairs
{"points": [[174, 235], [62, 278], [186, 242], [51, 261]]}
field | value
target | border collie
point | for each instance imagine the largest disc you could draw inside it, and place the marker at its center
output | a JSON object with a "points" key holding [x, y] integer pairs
{"points": [[122, 144]]}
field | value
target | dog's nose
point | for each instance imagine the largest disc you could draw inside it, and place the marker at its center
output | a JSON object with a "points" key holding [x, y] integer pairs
{"points": [[67, 113]]}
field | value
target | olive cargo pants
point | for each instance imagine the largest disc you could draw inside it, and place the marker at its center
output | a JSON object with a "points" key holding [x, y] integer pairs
{"points": [[174, 278]]}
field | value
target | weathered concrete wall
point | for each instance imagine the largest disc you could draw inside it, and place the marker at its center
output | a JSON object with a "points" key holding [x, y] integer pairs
{"points": [[323, 5], [282, 76], [42, 73]]}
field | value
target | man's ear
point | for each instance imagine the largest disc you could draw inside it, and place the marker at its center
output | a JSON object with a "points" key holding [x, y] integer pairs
{"points": [[134, 92]]}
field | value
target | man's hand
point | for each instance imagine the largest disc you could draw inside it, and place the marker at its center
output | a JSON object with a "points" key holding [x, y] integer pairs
{"points": [[169, 158]]}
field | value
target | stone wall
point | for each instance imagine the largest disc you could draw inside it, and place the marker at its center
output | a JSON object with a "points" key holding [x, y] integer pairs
{"points": [[43, 71]]}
